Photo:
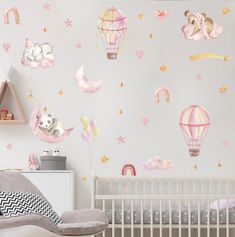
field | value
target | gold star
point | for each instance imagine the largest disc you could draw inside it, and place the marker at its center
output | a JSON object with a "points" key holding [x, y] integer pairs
{"points": [[61, 93], [223, 89], [30, 94], [84, 178], [219, 165], [45, 29], [45, 109], [104, 159], [225, 10], [151, 36], [141, 16], [121, 84], [195, 167], [120, 111], [163, 68]]}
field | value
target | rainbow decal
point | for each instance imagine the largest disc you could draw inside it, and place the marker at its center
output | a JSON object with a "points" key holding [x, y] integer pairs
{"points": [[128, 167], [15, 13], [166, 93]]}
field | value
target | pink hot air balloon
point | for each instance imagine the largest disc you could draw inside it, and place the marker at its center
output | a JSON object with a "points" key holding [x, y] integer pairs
{"points": [[112, 27], [194, 122]]}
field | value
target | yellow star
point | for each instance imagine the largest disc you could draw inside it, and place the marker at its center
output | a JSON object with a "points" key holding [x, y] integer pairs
{"points": [[225, 10], [84, 178], [163, 68], [121, 84], [195, 167], [45, 109], [45, 29], [141, 16], [30, 94], [219, 165], [61, 93], [120, 111], [222, 89], [151, 36], [104, 159]]}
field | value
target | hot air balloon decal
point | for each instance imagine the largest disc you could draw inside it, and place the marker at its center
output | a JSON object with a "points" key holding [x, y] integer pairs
{"points": [[194, 123], [112, 28]]}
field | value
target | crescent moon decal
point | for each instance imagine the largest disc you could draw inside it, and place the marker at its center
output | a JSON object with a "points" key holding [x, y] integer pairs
{"points": [[42, 135], [84, 84]]}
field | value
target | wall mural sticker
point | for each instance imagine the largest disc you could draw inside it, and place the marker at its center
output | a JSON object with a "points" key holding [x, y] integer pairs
{"points": [[6, 46], [200, 26], [223, 89], [162, 90], [48, 128], [112, 28], [163, 68], [9, 146], [225, 144], [225, 10], [200, 56], [30, 95], [89, 130], [161, 14], [156, 163], [139, 54], [68, 23], [61, 92], [144, 120], [33, 163], [38, 55], [120, 139], [84, 84], [104, 159], [78, 45], [12, 11], [46, 6], [128, 168], [141, 16], [194, 123]]}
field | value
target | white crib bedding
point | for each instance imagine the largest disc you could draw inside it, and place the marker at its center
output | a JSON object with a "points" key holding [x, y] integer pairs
{"points": [[174, 216]]}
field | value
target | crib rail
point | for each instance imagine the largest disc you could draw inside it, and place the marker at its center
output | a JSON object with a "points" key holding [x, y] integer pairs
{"points": [[175, 210]]}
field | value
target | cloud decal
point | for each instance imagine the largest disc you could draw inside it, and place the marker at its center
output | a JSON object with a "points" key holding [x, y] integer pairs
{"points": [[38, 55], [156, 163]]}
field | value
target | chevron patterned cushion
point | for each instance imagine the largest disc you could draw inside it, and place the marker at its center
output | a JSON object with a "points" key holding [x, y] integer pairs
{"points": [[18, 203]]}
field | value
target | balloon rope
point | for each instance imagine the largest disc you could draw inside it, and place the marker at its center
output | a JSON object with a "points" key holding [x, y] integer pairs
{"points": [[90, 155]]}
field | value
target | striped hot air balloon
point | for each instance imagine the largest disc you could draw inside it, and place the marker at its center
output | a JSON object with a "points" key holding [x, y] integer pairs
{"points": [[194, 123]]}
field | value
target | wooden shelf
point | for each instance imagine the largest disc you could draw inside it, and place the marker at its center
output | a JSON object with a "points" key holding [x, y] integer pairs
{"points": [[21, 119]]}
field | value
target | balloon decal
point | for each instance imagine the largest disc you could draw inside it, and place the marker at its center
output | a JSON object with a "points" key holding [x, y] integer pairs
{"points": [[201, 56], [165, 92], [156, 163], [194, 123], [112, 28], [199, 26], [47, 128], [89, 130], [84, 84]]}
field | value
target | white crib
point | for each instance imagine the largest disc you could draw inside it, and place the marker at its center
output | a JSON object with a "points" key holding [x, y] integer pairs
{"points": [[174, 206]]}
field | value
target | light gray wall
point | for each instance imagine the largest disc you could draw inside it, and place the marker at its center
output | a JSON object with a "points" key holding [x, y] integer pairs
{"points": [[162, 135]]}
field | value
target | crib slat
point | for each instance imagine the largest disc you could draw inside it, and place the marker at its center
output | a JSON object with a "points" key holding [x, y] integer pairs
{"points": [[141, 219], [199, 218], [170, 220], [160, 213], [180, 222], [123, 218], [208, 218], [151, 218], [217, 222], [103, 204], [227, 218], [132, 219], [113, 218], [189, 218]]}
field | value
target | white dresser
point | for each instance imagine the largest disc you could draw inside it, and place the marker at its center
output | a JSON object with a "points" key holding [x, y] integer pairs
{"points": [[57, 186]]}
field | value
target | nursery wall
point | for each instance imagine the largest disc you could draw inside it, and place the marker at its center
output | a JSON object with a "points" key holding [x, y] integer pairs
{"points": [[133, 127]]}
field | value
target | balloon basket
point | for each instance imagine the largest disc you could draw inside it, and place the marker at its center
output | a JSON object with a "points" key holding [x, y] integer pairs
{"points": [[112, 56], [194, 152]]}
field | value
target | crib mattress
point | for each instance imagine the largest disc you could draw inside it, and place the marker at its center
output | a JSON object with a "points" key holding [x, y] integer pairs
{"points": [[174, 216]]}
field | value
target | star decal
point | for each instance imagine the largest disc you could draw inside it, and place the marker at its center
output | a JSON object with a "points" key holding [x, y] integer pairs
{"points": [[225, 10], [219, 165], [195, 167], [141, 16], [45, 29], [199, 77], [151, 36], [78, 45], [104, 159], [68, 23], [9, 146], [144, 120], [225, 143], [45, 109], [163, 68], [84, 178], [223, 89], [30, 96], [121, 84], [120, 111], [120, 139], [61, 93], [46, 6]]}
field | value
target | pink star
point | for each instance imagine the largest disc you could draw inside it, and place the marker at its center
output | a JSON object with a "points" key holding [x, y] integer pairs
{"points": [[199, 77], [46, 6], [144, 120], [121, 139], [225, 143], [78, 45], [9, 146], [68, 23]]}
